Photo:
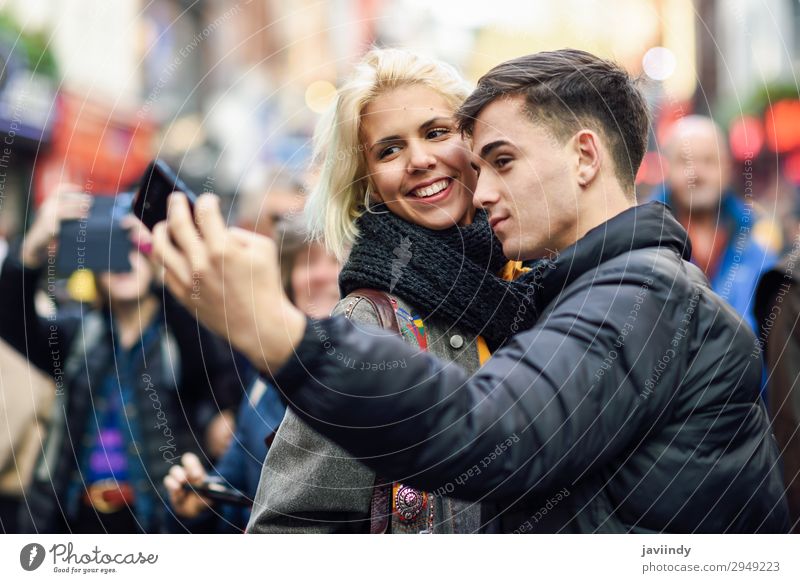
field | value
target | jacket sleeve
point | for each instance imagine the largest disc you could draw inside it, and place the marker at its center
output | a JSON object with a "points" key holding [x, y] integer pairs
{"points": [[42, 341], [560, 399]]}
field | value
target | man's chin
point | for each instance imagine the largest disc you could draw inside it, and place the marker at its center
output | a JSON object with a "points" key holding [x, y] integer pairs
{"points": [[511, 249]]}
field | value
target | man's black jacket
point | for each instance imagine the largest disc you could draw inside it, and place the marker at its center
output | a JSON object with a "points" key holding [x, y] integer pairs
{"points": [[631, 406]]}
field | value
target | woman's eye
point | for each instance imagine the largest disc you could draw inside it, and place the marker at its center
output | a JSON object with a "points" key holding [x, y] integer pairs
{"points": [[386, 152], [501, 162], [437, 133]]}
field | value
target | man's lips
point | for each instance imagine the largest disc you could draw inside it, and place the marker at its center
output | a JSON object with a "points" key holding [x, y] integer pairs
{"points": [[494, 221]]}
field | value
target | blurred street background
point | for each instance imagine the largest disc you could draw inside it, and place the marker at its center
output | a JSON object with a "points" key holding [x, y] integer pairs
{"points": [[229, 91]]}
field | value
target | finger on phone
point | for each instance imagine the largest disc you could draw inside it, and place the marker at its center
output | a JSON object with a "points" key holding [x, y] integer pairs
{"points": [[138, 233], [181, 225], [167, 255], [210, 222], [194, 469], [74, 206], [172, 485], [178, 474]]}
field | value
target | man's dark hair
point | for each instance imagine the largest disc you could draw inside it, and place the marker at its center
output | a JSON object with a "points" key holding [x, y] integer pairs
{"points": [[566, 90]]}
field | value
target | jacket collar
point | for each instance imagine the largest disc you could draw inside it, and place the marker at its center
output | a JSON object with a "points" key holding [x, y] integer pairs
{"points": [[650, 225]]}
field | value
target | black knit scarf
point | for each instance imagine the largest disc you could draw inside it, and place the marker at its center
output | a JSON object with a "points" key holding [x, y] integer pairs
{"points": [[450, 275]]}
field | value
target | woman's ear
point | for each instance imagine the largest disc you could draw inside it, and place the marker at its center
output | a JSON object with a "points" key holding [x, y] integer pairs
{"points": [[589, 155], [371, 195]]}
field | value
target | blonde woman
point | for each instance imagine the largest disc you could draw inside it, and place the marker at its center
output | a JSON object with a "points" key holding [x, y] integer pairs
{"points": [[395, 199]]}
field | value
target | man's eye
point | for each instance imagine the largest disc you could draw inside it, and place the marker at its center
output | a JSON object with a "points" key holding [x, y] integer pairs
{"points": [[476, 168], [437, 133]]}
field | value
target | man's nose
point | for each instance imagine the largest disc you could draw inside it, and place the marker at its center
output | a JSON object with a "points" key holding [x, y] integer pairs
{"points": [[485, 194]]}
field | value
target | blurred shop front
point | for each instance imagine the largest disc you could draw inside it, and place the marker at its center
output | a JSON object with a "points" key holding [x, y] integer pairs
{"points": [[100, 149]]}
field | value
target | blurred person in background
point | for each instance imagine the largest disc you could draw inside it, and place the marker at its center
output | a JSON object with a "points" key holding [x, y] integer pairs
{"points": [[731, 241], [137, 380], [269, 195], [310, 279], [394, 196]]}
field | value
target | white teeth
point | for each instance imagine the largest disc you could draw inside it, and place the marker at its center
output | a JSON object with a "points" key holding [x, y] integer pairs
{"points": [[434, 188]]}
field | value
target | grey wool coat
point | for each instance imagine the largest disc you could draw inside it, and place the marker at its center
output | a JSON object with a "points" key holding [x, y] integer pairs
{"points": [[311, 485]]}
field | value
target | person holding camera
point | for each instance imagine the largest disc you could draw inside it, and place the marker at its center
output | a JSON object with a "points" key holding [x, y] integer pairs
{"points": [[135, 377]]}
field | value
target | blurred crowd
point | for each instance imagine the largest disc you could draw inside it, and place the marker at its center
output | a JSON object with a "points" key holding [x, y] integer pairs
{"points": [[125, 383]]}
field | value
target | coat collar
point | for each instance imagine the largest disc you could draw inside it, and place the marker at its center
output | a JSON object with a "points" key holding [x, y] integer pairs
{"points": [[650, 225]]}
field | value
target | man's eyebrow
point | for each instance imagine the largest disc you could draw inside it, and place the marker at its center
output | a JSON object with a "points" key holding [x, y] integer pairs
{"points": [[424, 126], [487, 149]]}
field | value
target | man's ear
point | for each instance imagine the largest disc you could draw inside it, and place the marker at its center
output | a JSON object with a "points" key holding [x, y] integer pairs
{"points": [[587, 147]]}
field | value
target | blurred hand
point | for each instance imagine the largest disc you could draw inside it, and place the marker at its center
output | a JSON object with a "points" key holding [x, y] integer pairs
{"points": [[186, 504], [66, 203], [230, 280], [219, 433]]}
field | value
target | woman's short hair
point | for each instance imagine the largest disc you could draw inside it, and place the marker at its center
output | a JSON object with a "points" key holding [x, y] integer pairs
{"points": [[337, 200]]}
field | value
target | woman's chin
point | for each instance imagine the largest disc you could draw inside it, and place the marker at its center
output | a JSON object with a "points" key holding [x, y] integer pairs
{"points": [[440, 223]]}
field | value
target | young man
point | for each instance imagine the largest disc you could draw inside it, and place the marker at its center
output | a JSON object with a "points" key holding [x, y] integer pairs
{"points": [[631, 406]]}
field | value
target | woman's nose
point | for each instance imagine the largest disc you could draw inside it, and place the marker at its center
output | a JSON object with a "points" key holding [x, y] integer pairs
{"points": [[421, 158]]}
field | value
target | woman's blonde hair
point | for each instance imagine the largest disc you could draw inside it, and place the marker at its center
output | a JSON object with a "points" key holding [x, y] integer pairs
{"points": [[337, 200]]}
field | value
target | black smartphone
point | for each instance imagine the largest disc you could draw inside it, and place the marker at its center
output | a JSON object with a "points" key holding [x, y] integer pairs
{"points": [[158, 182], [213, 489], [97, 242]]}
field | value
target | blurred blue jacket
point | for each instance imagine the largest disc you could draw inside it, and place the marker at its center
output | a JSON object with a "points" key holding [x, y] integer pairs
{"points": [[745, 258], [258, 419]]}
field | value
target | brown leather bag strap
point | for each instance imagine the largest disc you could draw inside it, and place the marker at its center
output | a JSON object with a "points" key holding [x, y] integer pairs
{"points": [[380, 510], [381, 302]]}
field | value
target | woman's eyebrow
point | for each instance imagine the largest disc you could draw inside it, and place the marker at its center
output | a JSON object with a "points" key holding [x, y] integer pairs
{"points": [[435, 121], [424, 126], [384, 141]]}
